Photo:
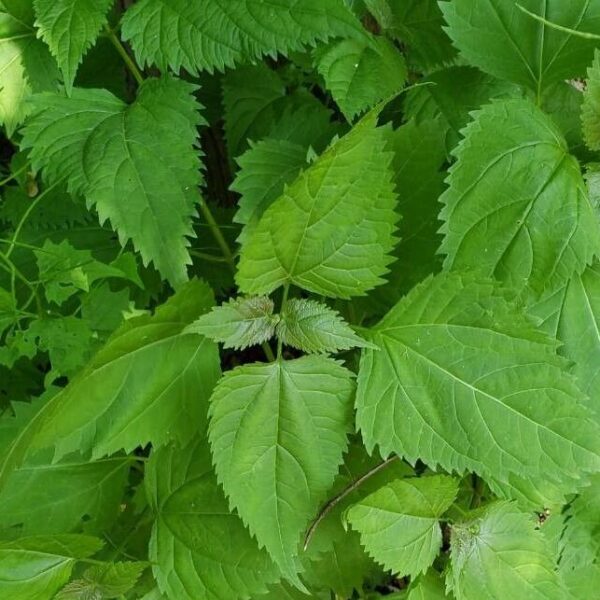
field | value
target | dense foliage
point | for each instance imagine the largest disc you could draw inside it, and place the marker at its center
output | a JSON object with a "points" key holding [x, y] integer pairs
{"points": [[299, 299]]}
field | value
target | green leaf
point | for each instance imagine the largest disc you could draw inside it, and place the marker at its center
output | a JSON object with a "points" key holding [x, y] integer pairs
{"points": [[144, 152], [278, 433], [70, 28], [360, 73], [417, 24], [497, 554], [512, 45], [239, 323], [8, 310], [572, 315], [427, 587], [256, 106], [199, 548], [265, 168], [451, 95], [149, 383], [419, 156], [580, 542], [35, 568], [463, 380], [47, 497], [312, 326], [64, 270], [332, 230], [112, 580], [205, 36], [26, 65], [590, 110], [334, 557], [398, 524], [524, 225]]}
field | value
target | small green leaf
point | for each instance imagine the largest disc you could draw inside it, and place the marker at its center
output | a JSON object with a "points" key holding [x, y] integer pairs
{"points": [[70, 27], [278, 433], [497, 553], [312, 326], [239, 323], [35, 568], [265, 168], [112, 580], [429, 586], [398, 524], [590, 111], [360, 73]]}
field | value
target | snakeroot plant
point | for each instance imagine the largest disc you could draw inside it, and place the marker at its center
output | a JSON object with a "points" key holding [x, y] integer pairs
{"points": [[299, 299]]}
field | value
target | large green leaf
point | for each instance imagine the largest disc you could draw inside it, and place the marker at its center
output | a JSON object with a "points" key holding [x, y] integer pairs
{"points": [[204, 35], [464, 380], [35, 568], [278, 433], [590, 110], [497, 554], [360, 73], [70, 27], [199, 548], [572, 315], [579, 544], [149, 383], [517, 207], [332, 230], [26, 65], [398, 523], [44, 497], [497, 37], [144, 152], [418, 24]]}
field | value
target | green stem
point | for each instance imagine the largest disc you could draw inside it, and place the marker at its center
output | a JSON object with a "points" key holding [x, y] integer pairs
{"points": [[331, 504], [14, 175], [24, 218], [582, 34], [206, 256], [284, 299], [216, 231], [130, 64], [478, 490]]}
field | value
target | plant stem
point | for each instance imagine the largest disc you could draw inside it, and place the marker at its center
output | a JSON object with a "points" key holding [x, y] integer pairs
{"points": [[228, 257], [216, 231], [331, 504], [130, 64], [478, 489], [24, 218], [575, 32], [284, 299], [14, 175]]}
